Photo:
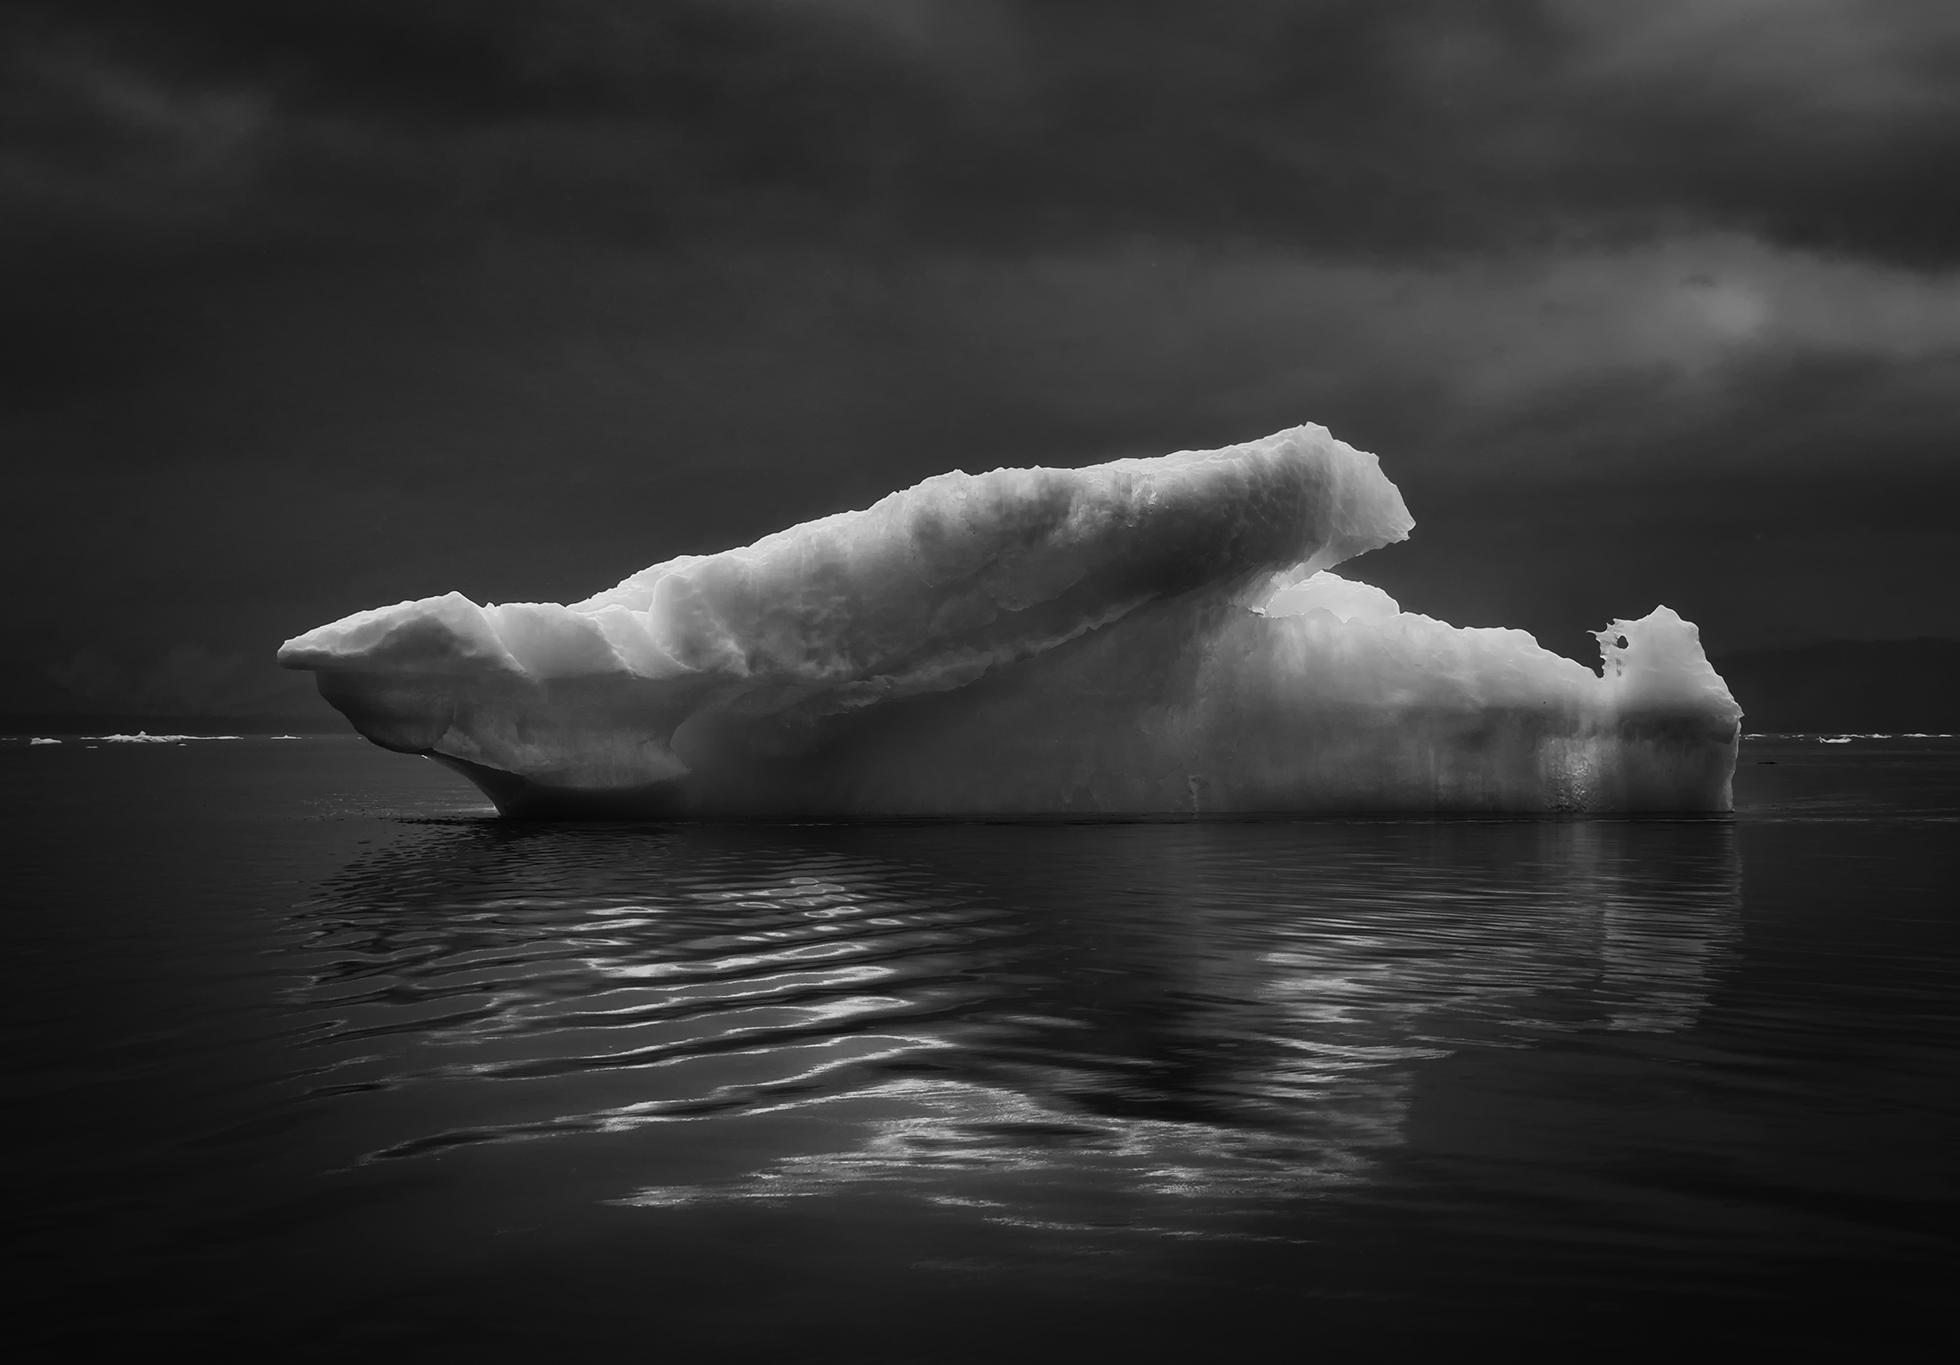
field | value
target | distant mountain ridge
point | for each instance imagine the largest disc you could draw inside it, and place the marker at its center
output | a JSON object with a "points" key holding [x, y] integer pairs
{"points": [[1862, 686]]}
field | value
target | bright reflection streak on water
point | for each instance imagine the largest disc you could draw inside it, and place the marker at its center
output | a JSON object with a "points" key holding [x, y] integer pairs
{"points": [[1174, 1025]]}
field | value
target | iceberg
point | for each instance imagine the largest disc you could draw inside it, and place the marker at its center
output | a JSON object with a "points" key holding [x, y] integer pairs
{"points": [[1144, 638]]}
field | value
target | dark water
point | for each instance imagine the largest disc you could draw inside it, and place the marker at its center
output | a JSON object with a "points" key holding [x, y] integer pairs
{"points": [[308, 1056]]}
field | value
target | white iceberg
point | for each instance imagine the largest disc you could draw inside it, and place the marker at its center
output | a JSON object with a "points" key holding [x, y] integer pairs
{"points": [[1141, 638]]}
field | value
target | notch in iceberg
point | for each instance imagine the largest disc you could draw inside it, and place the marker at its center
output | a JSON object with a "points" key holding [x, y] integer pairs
{"points": [[1140, 638]]}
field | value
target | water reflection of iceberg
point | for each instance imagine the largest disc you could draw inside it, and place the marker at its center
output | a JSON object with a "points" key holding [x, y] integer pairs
{"points": [[1033, 1024]]}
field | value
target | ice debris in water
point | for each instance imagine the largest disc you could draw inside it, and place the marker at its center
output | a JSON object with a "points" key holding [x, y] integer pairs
{"points": [[1145, 637]]}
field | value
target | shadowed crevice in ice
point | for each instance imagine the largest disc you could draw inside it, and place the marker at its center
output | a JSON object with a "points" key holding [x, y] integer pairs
{"points": [[1141, 638]]}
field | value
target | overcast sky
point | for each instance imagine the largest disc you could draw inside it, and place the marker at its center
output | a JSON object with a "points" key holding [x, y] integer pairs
{"points": [[315, 306]]}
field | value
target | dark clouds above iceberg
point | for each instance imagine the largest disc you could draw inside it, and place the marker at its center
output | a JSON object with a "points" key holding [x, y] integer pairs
{"points": [[319, 305]]}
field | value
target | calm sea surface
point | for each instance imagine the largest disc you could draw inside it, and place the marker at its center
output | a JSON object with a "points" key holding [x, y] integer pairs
{"points": [[307, 1054]]}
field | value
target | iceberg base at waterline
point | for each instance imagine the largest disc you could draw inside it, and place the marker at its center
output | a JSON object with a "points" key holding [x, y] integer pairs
{"points": [[1145, 638]]}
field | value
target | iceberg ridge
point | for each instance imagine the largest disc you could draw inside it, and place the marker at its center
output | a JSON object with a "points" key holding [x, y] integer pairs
{"points": [[1138, 638]]}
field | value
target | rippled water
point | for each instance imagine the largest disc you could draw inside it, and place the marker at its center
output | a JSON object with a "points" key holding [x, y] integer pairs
{"points": [[306, 1049]]}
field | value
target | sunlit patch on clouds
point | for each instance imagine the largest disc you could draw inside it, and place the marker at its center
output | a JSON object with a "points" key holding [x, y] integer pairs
{"points": [[1248, 329]]}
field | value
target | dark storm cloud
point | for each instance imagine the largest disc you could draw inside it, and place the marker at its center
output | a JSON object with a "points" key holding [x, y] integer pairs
{"points": [[314, 305], [1354, 127]]}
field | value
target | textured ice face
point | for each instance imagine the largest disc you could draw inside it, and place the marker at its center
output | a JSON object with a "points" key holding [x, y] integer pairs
{"points": [[1145, 636], [1337, 597], [925, 590]]}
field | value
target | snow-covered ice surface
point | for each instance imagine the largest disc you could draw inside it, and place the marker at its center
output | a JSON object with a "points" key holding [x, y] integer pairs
{"points": [[1141, 638]]}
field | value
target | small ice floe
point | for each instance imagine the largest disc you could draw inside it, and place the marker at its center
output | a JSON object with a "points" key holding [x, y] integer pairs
{"points": [[282, 736], [41, 740]]}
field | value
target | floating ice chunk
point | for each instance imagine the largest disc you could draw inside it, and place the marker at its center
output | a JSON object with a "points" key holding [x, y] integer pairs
{"points": [[145, 737], [41, 740], [1146, 637]]}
